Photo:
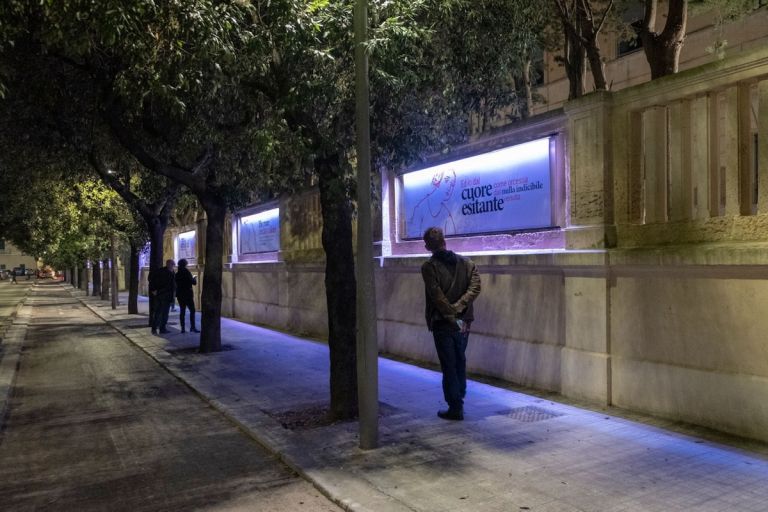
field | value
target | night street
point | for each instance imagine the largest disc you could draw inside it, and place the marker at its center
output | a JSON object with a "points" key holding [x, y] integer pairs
{"points": [[94, 424], [396, 256]]}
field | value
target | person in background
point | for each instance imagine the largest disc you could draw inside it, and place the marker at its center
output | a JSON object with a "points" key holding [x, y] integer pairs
{"points": [[184, 283], [161, 287], [13, 277], [451, 284]]}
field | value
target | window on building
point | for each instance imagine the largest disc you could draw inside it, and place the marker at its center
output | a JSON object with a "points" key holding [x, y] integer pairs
{"points": [[2, 245], [630, 42]]}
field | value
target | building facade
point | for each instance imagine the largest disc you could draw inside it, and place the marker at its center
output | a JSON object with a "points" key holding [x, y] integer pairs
{"points": [[622, 241], [11, 258]]}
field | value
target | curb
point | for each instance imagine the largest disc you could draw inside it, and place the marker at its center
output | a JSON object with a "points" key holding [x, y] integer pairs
{"points": [[12, 336], [335, 487]]}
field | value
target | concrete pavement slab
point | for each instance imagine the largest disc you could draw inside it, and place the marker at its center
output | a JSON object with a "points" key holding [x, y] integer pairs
{"points": [[513, 451], [94, 424]]}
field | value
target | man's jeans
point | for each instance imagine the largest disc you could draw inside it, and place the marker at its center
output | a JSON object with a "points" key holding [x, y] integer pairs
{"points": [[451, 346], [160, 315]]}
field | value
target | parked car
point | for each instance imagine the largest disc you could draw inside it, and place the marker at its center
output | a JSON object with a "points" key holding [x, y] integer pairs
{"points": [[4, 274]]}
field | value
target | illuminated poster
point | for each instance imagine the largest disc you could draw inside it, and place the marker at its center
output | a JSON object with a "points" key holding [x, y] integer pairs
{"points": [[187, 245], [260, 232], [144, 256], [504, 190]]}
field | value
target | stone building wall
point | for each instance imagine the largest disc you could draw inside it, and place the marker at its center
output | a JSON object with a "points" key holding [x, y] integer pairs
{"points": [[649, 294]]}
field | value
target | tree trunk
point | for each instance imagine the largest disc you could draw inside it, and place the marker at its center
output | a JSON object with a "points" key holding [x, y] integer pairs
{"points": [[96, 278], [80, 276], [575, 62], [662, 50], [590, 32], [340, 287], [133, 280], [525, 112], [156, 225], [105, 279], [210, 302], [597, 65], [84, 277]]}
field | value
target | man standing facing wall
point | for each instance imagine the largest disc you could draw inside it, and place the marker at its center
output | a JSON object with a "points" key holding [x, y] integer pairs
{"points": [[451, 284]]}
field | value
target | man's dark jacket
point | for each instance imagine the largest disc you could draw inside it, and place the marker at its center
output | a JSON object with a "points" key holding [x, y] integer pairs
{"points": [[451, 283], [163, 282], [184, 282]]}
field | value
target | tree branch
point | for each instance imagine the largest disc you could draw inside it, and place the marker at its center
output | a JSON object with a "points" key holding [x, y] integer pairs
{"points": [[191, 179], [605, 16], [129, 197], [676, 20], [649, 18]]}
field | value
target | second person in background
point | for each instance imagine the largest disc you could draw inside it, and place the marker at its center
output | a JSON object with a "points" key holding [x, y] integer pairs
{"points": [[184, 282]]}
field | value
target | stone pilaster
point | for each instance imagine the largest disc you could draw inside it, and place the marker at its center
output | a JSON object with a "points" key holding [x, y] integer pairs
{"points": [[589, 219]]}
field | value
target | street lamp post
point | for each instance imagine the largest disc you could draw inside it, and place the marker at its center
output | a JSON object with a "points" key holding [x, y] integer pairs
{"points": [[367, 345]]}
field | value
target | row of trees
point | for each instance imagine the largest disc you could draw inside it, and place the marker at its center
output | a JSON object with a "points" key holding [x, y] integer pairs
{"points": [[232, 101]]}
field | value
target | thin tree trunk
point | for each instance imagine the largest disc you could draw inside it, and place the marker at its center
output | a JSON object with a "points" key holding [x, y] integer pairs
{"points": [[590, 31], [575, 62], [105, 279], [84, 277], [525, 112], [133, 280], [597, 65], [662, 49], [340, 287], [210, 303], [96, 278]]}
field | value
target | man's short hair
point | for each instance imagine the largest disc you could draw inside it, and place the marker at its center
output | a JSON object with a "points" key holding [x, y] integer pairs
{"points": [[434, 239], [169, 261]]}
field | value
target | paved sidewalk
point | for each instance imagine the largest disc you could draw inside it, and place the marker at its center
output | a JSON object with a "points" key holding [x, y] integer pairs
{"points": [[513, 451], [12, 331]]}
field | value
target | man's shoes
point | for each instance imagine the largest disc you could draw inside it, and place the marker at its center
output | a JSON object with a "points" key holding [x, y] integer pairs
{"points": [[164, 331], [193, 330], [154, 331], [182, 330], [451, 415]]}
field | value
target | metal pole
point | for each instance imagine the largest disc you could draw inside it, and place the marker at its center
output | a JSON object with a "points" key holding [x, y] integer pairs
{"points": [[367, 344]]}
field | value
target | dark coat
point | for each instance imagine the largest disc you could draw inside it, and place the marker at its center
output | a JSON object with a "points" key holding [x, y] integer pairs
{"points": [[451, 284], [184, 282], [162, 281]]}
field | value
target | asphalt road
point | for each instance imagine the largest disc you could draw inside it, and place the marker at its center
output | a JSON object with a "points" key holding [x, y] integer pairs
{"points": [[10, 296], [94, 424]]}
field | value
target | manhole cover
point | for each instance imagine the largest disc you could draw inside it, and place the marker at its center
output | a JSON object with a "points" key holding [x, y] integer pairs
{"points": [[530, 414]]}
